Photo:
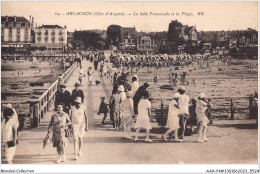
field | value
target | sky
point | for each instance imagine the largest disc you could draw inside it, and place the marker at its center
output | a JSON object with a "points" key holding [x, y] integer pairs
{"points": [[214, 16]]}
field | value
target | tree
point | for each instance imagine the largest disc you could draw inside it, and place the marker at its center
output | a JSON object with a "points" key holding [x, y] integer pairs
{"points": [[90, 39], [114, 34], [76, 44], [174, 31], [159, 36]]}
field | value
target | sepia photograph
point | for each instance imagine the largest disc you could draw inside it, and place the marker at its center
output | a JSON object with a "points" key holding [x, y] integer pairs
{"points": [[121, 82]]}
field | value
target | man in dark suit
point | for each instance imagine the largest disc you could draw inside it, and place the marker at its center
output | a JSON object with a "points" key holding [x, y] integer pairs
{"points": [[63, 96], [77, 93]]}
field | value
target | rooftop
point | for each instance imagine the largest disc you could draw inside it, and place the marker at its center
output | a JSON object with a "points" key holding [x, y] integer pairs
{"points": [[14, 20], [130, 30], [50, 26]]}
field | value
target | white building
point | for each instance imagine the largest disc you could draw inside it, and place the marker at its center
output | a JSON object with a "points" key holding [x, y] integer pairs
{"points": [[145, 44], [15, 32], [53, 37]]}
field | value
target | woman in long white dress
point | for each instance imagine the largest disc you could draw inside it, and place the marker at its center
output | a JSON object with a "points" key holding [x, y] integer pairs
{"points": [[202, 119], [173, 118], [143, 118]]}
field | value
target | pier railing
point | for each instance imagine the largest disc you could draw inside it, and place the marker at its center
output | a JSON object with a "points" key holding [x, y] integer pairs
{"points": [[226, 107], [38, 107]]}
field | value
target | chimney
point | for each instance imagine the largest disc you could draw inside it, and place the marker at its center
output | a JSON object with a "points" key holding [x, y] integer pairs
{"points": [[32, 21], [65, 26], [14, 18], [6, 19]]}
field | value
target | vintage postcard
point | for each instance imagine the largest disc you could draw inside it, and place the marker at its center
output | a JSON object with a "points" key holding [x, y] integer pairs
{"points": [[120, 82]]}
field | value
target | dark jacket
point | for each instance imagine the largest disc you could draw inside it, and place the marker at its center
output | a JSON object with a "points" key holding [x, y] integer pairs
{"points": [[77, 93], [137, 97], [103, 107], [63, 97]]}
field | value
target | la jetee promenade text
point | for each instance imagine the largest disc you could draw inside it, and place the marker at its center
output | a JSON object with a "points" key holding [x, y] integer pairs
{"points": [[71, 13]]}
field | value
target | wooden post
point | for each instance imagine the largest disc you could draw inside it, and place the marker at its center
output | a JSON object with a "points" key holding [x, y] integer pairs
{"points": [[48, 100], [162, 121], [31, 113], [232, 109], [209, 112], [36, 118], [250, 106]]}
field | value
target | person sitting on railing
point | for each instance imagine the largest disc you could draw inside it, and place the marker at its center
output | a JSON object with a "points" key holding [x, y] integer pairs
{"points": [[63, 96]]}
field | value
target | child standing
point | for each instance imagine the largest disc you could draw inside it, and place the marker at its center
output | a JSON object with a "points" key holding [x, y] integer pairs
{"points": [[127, 107], [202, 119], [103, 108]]}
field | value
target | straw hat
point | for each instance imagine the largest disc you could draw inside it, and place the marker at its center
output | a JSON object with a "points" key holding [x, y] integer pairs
{"points": [[176, 95], [9, 106], [102, 97], [121, 88], [182, 88], [78, 99], [202, 95]]}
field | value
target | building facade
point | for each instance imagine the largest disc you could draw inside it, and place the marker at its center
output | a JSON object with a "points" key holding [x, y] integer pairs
{"points": [[189, 34], [69, 40], [206, 49], [15, 33], [128, 40], [135, 42], [145, 44], [52, 37]]}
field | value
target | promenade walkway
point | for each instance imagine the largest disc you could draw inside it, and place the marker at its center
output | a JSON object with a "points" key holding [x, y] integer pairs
{"points": [[231, 141]]}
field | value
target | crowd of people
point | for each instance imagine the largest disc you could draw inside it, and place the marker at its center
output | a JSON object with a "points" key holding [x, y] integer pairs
{"points": [[156, 60], [129, 105]]}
